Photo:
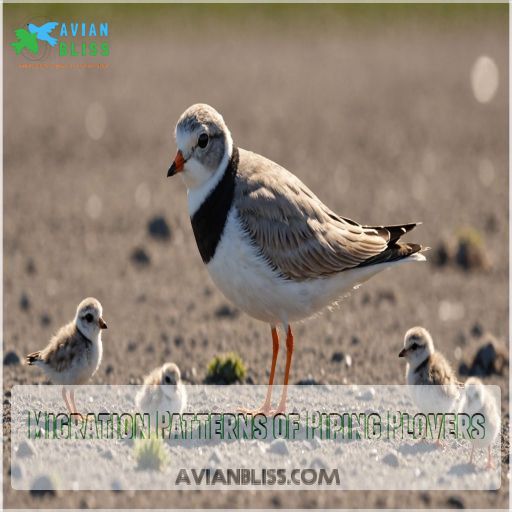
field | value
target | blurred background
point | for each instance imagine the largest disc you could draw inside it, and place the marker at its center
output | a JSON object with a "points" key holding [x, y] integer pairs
{"points": [[389, 113]]}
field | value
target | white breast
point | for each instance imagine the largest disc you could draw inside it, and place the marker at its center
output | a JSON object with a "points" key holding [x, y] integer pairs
{"points": [[153, 399], [89, 363], [249, 281], [432, 399]]}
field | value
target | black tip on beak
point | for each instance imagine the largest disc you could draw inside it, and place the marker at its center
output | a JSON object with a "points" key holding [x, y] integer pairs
{"points": [[102, 323], [172, 170], [402, 353]]}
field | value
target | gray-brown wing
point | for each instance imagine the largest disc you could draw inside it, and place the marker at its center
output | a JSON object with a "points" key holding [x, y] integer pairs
{"points": [[441, 373], [66, 345], [297, 233]]}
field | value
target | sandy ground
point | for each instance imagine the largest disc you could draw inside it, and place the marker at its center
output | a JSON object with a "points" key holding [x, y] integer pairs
{"points": [[370, 450], [379, 120]]}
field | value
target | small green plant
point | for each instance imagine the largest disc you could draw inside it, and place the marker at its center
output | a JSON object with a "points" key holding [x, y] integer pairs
{"points": [[466, 249], [150, 454], [226, 369], [470, 236], [471, 250]]}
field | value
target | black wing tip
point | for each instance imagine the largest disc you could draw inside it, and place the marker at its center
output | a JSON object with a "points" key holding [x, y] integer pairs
{"points": [[398, 231], [393, 232], [30, 359], [394, 252]]}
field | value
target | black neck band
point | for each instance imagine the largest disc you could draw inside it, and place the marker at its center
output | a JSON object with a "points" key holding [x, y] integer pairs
{"points": [[209, 220]]}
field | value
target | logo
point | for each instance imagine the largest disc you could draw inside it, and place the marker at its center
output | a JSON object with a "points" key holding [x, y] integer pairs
{"points": [[65, 39]]}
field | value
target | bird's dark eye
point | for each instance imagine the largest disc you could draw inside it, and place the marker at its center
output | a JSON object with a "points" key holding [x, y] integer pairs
{"points": [[414, 346], [202, 142], [167, 379], [89, 317]]}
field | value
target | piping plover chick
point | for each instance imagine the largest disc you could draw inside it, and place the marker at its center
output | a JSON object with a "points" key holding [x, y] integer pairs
{"points": [[433, 383], [270, 245], [478, 401], [162, 392], [73, 354]]}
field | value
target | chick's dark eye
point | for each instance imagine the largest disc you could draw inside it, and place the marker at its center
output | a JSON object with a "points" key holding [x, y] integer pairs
{"points": [[202, 142], [414, 346], [167, 379], [89, 317]]}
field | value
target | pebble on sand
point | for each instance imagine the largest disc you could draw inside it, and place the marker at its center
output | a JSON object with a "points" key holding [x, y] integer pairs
{"points": [[391, 460], [309, 381], [24, 302], [25, 449], [43, 486], [116, 485], [279, 447], [491, 357], [11, 358], [319, 463], [226, 311], [455, 502], [159, 229], [337, 357], [16, 472], [46, 319], [477, 330], [140, 257], [30, 267]]}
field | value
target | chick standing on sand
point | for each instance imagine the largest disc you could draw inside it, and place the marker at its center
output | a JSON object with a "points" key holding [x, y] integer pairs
{"points": [[478, 401], [163, 392], [74, 354], [426, 367]]}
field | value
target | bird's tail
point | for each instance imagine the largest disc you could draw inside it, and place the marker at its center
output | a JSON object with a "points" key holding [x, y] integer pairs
{"points": [[30, 359], [396, 249], [52, 41], [18, 47]]}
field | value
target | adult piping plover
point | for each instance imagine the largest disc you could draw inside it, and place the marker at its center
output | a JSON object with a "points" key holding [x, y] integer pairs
{"points": [[270, 245], [74, 354], [478, 401], [162, 391], [433, 384]]}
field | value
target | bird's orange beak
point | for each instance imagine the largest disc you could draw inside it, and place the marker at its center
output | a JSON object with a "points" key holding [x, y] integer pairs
{"points": [[102, 323], [177, 165]]}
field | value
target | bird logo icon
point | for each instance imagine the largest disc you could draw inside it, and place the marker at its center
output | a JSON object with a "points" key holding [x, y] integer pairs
{"points": [[28, 38]]}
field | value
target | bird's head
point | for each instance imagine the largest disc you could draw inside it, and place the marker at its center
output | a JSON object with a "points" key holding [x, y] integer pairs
{"points": [[204, 145], [170, 376], [32, 28], [474, 395], [418, 345], [89, 319]]}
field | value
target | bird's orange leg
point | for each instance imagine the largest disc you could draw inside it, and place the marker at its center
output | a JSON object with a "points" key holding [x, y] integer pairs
{"points": [[281, 408], [265, 407]]}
